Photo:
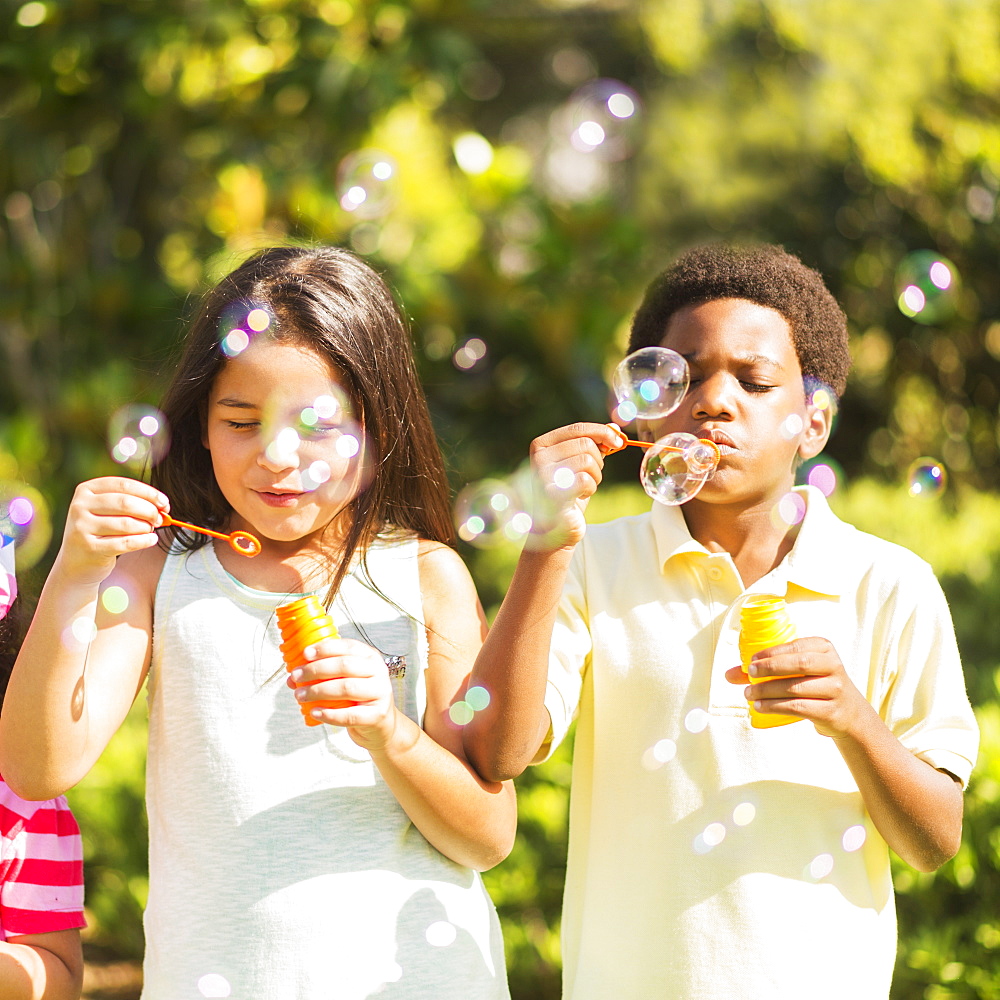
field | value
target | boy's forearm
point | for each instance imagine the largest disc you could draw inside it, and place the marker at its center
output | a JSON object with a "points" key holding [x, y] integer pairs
{"points": [[915, 807], [503, 739]]}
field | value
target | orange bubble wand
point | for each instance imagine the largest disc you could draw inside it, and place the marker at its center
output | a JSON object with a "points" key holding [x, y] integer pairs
{"points": [[239, 541], [625, 441]]}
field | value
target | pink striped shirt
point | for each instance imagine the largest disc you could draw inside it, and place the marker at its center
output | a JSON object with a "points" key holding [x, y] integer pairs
{"points": [[41, 866]]}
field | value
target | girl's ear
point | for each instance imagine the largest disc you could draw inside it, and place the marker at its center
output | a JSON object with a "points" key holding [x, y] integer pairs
{"points": [[818, 425], [203, 420]]}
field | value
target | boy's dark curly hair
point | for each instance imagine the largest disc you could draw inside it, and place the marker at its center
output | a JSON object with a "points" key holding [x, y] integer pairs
{"points": [[761, 273]]}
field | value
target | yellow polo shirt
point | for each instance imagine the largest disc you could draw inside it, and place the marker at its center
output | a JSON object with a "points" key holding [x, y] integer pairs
{"points": [[709, 860]]}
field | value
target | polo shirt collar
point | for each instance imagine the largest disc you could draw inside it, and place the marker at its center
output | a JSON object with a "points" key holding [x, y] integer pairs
{"points": [[819, 561]]}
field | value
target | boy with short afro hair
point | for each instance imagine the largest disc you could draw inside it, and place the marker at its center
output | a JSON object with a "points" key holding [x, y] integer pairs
{"points": [[709, 859]]}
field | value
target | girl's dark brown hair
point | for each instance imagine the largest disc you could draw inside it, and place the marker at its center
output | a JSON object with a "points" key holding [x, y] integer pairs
{"points": [[328, 300]]}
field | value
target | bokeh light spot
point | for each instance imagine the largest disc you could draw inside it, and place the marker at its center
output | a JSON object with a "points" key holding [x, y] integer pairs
{"points": [[441, 934], [820, 866], [114, 600], [925, 478], [854, 838], [696, 720], [744, 814], [477, 698], [214, 985]]}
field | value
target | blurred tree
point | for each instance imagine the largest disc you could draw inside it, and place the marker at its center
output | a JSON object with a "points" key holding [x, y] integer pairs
{"points": [[460, 146]]}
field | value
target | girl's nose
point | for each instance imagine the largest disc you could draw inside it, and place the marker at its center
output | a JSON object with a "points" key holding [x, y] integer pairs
{"points": [[281, 452]]}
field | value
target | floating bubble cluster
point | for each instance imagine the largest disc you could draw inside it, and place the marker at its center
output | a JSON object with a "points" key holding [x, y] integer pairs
{"points": [[525, 508], [926, 478], [462, 712], [927, 287], [649, 383], [25, 520], [138, 436], [676, 466], [239, 324], [324, 441], [366, 183], [605, 117]]}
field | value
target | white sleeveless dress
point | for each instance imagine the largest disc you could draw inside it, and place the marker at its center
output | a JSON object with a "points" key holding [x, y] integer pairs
{"points": [[281, 865]]}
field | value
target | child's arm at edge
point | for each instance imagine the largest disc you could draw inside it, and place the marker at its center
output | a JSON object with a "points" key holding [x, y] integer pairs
{"points": [[80, 667], [502, 740], [42, 966]]}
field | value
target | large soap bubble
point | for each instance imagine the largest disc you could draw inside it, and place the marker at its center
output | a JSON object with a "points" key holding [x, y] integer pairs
{"points": [[676, 467], [649, 383]]}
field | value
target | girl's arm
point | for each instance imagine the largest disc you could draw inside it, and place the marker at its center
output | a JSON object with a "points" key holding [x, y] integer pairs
{"points": [[467, 819], [42, 966], [81, 665]]}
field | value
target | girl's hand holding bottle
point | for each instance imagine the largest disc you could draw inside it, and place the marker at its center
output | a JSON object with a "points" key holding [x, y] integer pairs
{"points": [[349, 671], [108, 517]]}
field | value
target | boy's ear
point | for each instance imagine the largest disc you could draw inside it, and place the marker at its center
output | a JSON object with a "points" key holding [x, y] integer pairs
{"points": [[819, 424]]}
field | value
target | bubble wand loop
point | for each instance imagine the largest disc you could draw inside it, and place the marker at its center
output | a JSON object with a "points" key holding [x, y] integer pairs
{"points": [[240, 541]]}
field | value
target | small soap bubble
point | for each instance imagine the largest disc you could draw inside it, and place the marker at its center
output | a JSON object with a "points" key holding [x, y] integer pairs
{"points": [[823, 473], [25, 519], [926, 478], [854, 838], [927, 287], [214, 985], [605, 119], [115, 600], [820, 866], [744, 814], [366, 183], [441, 934], [239, 323], [660, 753], [791, 426], [283, 447], [788, 511], [484, 511], [714, 834], [461, 713], [563, 478], [316, 475], [676, 466], [84, 630], [696, 720], [138, 436], [477, 698], [649, 383]]}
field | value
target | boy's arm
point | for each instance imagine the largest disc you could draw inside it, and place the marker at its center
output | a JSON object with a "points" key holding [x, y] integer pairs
{"points": [[503, 739], [42, 966], [915, 807]]}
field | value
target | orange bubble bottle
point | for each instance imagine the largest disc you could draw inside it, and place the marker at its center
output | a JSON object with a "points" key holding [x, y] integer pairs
{"points": [[764, 623], [304, 623]]}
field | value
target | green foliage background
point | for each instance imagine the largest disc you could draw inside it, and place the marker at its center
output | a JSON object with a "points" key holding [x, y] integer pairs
{"points": [[147, 147]]}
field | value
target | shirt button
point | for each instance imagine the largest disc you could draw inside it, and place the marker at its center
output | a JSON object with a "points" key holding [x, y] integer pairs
{"points": [[715, 573]]}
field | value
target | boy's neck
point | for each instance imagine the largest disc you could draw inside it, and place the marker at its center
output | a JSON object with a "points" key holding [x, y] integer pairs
{"points": [[749, 535]]}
